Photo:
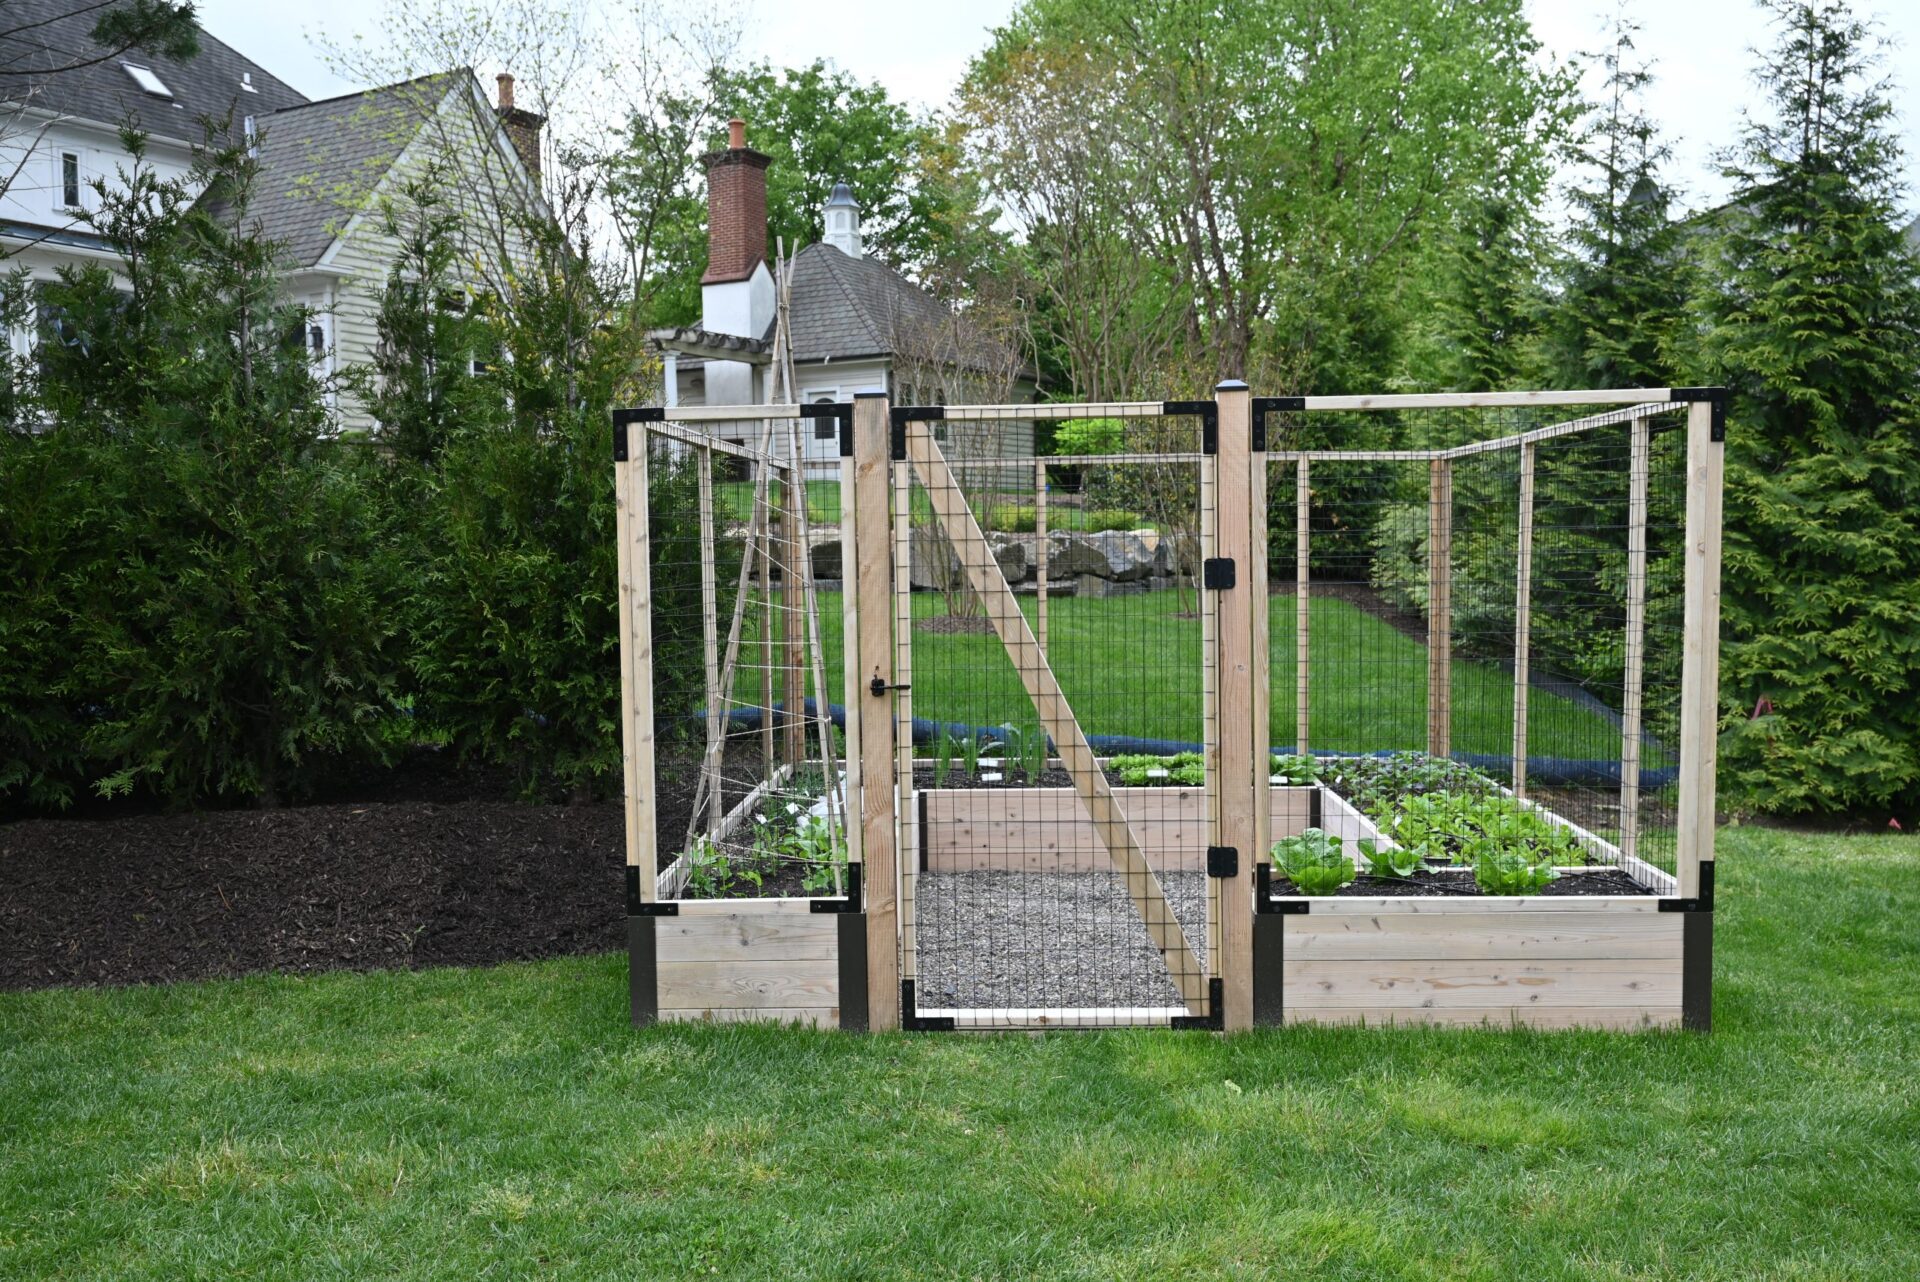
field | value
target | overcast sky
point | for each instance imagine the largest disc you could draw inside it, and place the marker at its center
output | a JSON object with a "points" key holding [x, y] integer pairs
{"points": [[1700, 49]]}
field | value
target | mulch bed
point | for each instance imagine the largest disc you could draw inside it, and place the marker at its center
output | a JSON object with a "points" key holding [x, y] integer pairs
{"points": [[456, 873], [953, 625]]}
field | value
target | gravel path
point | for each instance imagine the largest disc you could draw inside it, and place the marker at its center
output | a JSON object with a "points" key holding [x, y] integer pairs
{"points": [[1001, 939]]}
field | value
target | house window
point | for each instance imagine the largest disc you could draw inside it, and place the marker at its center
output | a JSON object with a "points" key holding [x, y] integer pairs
{"points": [[69, 180], [144, 77]]}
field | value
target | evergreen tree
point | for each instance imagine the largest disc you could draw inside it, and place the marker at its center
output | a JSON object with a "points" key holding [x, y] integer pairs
{"points": [[1623, 289], [419, 386], [1815, 324]]}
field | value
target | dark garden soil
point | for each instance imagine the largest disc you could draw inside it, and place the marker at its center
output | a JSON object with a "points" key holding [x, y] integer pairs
{"points": [[1609, 881], [428, 866]]}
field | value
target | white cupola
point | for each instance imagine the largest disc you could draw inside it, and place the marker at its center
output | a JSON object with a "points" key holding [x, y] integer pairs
{"points": [[843, 221]]}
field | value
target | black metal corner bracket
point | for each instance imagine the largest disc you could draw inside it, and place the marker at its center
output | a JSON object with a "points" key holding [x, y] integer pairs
{"points": [[1209, 412], [623, 419], [825, 416], [913, 1021], [850, 903], [637, 908], [1223, 861], [1215, 1020], [1265, 904], [1265, 405], [1217, 573], [900, 415], [1704, 904], [1714, 396]]}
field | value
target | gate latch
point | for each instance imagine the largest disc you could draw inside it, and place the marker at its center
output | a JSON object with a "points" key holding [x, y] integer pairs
{"points": [[880, 688], [1223, 861]]}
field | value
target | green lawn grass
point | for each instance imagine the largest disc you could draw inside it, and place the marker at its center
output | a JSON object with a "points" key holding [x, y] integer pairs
{"points": [[507, 1123], [1129, 666]]}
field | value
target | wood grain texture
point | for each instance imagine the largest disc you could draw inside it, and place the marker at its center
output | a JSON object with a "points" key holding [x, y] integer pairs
{"points": [[873, 579], [1242, 744], [636, 656], [1619, 1019], [748, 935], [1487, 936], [1409, 983], [748, 983], [1700, 661], [1055, 713], [1047, 829]]}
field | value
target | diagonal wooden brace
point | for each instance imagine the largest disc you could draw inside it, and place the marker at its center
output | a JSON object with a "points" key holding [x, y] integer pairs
{"points": [[1050, 704]]}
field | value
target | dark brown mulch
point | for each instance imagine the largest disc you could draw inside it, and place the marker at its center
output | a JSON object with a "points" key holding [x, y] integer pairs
{"points": [[458, 873], [157, 898], [953, 625], [1610, 881]]}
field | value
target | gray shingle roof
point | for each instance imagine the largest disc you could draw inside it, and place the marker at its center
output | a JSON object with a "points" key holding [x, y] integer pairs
{"points": [[40, 36], [320, 162], [846, 307]]}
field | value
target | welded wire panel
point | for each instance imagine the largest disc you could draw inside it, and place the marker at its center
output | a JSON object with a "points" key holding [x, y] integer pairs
{"points": [[1049, 889], [748, 783], [1490, 599]]}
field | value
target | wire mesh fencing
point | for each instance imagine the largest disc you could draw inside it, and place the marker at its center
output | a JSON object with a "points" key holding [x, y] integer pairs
{"points": [[1057, 637], [748, 785]]}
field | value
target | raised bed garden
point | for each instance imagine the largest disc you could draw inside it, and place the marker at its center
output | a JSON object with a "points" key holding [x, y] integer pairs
{"points": [[973, 824]]}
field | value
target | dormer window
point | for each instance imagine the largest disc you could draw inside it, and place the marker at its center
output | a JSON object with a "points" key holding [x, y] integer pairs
{"points": [[144, 77]]}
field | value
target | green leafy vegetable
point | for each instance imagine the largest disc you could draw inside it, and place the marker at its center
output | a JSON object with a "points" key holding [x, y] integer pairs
{"points": [[1314, 862]]}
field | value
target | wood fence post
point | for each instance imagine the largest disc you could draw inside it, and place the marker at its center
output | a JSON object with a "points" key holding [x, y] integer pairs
{"points": [[636, 649], [1523, 619], [873, 555], [1040, 551], [1700, 661], [1235, 608], [1440, 609], [1634, 664], [1302, 619]]}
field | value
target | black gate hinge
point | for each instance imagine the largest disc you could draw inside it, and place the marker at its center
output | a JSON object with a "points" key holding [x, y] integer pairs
{"points": [[1217, 573], [1223, 861]]}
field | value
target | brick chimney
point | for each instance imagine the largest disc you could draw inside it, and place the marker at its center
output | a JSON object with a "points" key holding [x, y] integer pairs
{"points": [[736, 208], [523, 127]]}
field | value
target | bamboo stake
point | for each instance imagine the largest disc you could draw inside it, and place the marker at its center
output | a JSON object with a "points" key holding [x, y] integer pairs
{"points": [[709, 636], [822, 713]]}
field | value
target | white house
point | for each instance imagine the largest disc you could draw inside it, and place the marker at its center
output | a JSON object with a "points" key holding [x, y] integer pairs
{"points": [[856, 323], [324, 167]]}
